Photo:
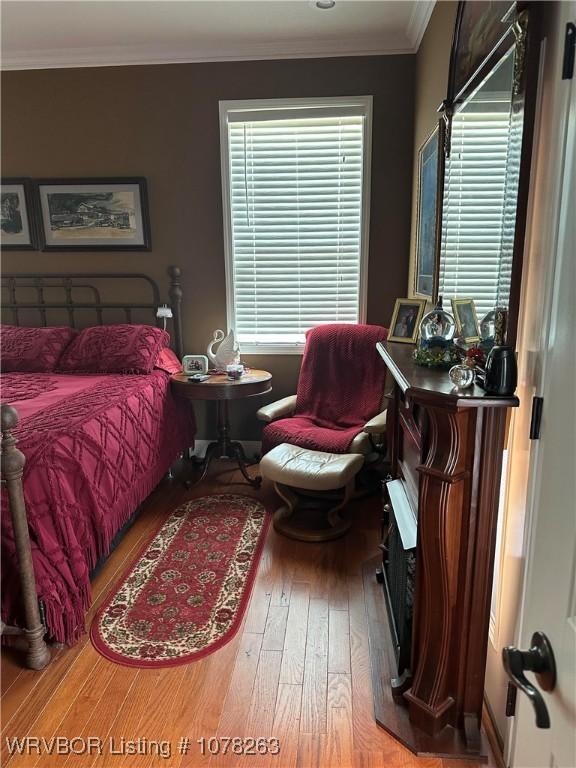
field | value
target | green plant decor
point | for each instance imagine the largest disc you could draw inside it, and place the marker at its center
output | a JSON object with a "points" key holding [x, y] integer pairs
{"points": [[438, 357]]}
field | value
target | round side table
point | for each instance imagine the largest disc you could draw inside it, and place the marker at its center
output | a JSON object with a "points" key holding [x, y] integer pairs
{"points": [[222, 389]]}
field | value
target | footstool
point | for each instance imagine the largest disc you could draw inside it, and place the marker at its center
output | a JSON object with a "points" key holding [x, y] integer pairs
{"points": [[315, 485]]}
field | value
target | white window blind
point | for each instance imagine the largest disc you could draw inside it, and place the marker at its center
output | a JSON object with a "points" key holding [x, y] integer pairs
{"points": [[476, 254], [296, 197]]}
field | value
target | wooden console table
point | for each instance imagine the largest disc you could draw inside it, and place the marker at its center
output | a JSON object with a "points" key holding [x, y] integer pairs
{"points": [[446, 449]]}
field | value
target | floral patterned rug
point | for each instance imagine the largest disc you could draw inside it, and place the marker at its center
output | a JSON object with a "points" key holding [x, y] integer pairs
{"points": [[186, 594]]}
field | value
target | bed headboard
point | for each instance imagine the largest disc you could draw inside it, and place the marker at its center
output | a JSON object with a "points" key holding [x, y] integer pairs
{"points": [[78, 298]]}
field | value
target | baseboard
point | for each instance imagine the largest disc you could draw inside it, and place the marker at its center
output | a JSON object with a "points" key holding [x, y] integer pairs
{"points": [[494, 739], [252, 448]]}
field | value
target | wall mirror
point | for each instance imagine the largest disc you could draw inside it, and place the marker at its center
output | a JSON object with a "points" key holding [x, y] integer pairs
{"points": [[486, 172]]}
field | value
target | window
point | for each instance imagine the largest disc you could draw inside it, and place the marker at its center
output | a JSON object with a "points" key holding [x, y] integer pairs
{"points": [[295, 177], [479, 206]]}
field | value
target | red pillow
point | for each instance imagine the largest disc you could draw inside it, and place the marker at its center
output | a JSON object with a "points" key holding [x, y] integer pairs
{"points": [[168, 362], [33, 350], [114, 349]]}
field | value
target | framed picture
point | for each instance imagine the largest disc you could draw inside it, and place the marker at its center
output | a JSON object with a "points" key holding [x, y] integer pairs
{"points": [[94, 214], [18, 229], [192, 364], [428, 229], [466, 319], [406, 319], [481, 26]]}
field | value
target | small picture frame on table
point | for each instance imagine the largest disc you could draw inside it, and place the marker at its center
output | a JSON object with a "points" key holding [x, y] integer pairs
{"points": [[193, 364], [466, 320], [406, 319], [18, 227]]}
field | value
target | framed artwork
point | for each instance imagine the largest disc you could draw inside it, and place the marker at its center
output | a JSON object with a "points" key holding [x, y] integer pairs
{"points": [[18, 228], [406, 319], [108, 214], [429, 213], [480, 28], [466, 319]]}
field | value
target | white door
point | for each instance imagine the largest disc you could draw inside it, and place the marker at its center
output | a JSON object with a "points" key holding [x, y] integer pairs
{"points": [[549, 600], [532, 342]]}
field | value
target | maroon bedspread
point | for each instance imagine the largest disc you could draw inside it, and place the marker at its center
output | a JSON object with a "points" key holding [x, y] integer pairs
{"points": [[95, 447]]}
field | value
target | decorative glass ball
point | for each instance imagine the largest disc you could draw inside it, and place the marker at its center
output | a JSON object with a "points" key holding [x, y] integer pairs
{"points": [[437, 325], [462, 376]]}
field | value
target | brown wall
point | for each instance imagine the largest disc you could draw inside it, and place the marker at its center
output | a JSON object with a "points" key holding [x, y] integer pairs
{"points": [[432, 62], [161, 122]]}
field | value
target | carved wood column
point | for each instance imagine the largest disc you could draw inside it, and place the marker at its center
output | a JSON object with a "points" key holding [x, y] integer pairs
{"points": [[443, 489], [478, 568]]}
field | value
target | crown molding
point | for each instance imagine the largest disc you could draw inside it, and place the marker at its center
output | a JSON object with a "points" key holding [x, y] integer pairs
{"points": [[114, 56], [138, 55], [419, 19]]}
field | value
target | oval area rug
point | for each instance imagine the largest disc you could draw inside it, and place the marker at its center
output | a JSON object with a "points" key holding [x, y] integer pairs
{"points": [[185, 595]]}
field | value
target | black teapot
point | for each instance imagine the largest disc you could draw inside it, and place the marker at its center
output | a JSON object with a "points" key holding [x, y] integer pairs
{"points": [[501, 372]]}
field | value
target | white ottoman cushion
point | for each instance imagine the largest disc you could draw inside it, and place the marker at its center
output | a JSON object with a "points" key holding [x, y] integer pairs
{"points": [[310, 470]]}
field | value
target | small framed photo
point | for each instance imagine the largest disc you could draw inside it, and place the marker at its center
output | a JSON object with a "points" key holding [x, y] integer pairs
{"points": [[406, 319], [466, 319], [18, 227], [192, 364], [107, 214]]}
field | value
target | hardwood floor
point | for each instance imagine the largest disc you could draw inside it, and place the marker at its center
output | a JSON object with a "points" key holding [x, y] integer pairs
{"points": [[298, 670]]}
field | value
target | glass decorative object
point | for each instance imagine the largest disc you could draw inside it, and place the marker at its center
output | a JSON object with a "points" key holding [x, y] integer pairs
{"points": [[437, 326], [462, 376], [487, 325]]}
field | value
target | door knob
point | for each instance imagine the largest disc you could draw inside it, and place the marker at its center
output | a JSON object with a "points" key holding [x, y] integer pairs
{"points": [[540, 660]]}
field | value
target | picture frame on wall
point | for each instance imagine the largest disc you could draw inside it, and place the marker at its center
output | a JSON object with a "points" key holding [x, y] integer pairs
{"points": [[429, 213], [406, 318], [94, 214], [466, 319], [18, 227], [481, 27]]}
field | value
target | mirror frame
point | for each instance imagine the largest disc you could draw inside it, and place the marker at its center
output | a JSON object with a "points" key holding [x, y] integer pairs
{"points": [[522, 30]]}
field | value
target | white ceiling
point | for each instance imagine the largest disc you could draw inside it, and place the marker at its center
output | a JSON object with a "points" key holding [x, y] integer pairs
{"points": [[41, 34]]}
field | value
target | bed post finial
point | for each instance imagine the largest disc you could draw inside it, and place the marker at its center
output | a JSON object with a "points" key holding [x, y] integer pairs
{"points": [[175, 295], [8, 417], [12, 468]]}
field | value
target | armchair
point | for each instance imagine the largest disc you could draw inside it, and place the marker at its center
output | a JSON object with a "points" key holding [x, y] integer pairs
{"points": [[340, 391]]}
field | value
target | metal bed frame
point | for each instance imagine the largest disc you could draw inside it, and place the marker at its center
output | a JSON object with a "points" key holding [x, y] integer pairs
{"points": [[67, 283], [12, 460]]}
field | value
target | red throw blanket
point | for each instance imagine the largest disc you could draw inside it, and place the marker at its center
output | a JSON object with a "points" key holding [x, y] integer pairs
{"points": [[340, 388], [95, 447]]}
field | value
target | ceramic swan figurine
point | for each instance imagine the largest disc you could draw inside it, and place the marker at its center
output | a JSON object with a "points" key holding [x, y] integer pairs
{"points": [[227, 353]]}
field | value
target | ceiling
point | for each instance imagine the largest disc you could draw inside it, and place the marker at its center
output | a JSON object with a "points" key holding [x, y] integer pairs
{"points": [[42, 34]]}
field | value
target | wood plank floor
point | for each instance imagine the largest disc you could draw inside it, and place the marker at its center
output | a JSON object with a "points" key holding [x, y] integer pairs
{"points": [[298, 670]]}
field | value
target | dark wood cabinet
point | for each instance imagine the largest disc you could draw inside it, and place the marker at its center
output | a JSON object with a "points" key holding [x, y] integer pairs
{"points": [[446, 451]]}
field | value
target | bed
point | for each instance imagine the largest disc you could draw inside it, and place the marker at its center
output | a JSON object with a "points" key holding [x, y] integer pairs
{"points": [[95, 445]]}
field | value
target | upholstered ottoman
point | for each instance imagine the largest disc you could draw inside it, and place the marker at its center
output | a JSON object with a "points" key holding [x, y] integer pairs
{"points": [[315, 486]]}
